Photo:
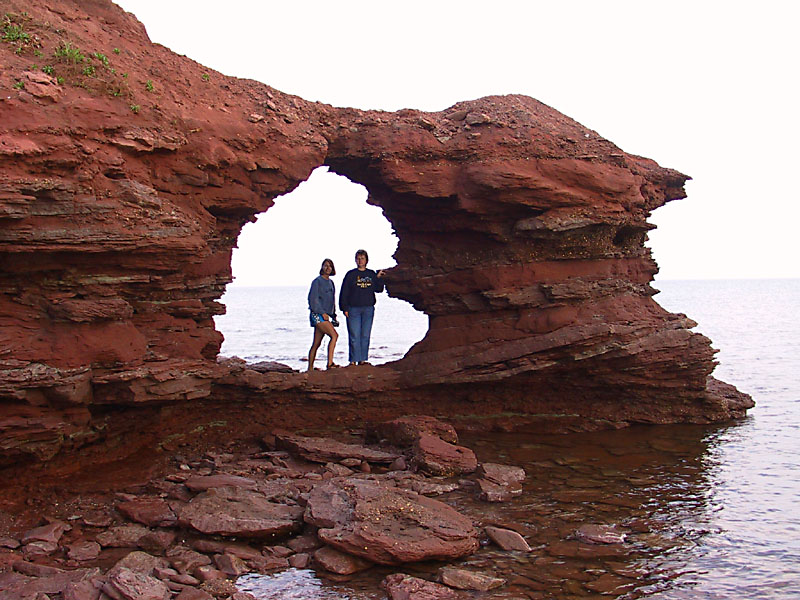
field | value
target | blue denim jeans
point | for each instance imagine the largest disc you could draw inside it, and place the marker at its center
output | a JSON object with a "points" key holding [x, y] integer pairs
{"points": [[359, 326]]}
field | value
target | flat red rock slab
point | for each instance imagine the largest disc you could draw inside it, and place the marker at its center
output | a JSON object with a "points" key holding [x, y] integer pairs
{"points": [[405, 587], [130, 584], [122, 536], [83, 550], [507, 539], [469, 580], [437, 457], [325, 450], [388, 525], [239, 513], [51, 532], [45, 580], [153, 512], [338, 562], [501, 474], [201, 483]]}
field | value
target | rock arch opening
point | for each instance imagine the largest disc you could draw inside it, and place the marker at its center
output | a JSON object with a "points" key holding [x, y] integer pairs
{"points": [[278, 256]]}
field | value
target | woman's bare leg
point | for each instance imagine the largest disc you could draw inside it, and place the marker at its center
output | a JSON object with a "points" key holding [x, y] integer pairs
{"points": [[330, 331], [312, 354]]}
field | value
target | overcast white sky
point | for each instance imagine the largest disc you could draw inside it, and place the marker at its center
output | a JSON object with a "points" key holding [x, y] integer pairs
{"points": [[708, 88]]}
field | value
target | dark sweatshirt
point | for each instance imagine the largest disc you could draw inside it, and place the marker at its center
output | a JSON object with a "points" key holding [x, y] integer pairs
{"points": [[359, 289]]}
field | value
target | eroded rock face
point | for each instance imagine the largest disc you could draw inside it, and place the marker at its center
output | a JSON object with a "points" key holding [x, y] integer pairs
{"points": [[521, 236]]}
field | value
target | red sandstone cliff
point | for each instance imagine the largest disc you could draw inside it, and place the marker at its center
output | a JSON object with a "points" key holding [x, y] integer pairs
{"points": [[125, 178]]}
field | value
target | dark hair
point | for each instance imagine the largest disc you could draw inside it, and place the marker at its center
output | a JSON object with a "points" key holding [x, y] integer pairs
{"points": [[364, 252], [322, 266]]}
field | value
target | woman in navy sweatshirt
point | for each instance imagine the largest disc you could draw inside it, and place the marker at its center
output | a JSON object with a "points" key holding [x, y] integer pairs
{"points": [[357, 301], [321, 303]]}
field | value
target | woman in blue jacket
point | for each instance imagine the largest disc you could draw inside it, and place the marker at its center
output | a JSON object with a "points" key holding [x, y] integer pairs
{"points": [[321, 304]]}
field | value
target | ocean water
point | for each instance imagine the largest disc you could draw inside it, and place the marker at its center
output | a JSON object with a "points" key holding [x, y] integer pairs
{"points": [[271, 323], [710, 512]]}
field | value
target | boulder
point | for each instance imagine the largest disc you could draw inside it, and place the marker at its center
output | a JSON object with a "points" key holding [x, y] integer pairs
{"points": [[299, 561], [507, 539], [437, 457], [241, 513], [231, 565], [338, 562], [403, 432], [388, 525], [206, 573]]}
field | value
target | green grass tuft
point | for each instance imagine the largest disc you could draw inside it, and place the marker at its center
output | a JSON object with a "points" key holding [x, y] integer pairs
{"points": [[69, 54], [101, 57], [15, 33]]}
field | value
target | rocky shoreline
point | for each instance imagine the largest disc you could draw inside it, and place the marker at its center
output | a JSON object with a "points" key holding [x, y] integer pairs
{"points": [[294, 503]]}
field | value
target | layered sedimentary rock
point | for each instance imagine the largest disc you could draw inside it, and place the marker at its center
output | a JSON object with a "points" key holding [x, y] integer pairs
{"points": [[127, 173]]}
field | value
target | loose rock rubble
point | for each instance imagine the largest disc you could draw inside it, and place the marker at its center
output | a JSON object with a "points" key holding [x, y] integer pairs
{"points": [[338, 508]]}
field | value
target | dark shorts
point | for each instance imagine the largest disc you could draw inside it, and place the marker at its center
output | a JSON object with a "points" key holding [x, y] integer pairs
{"points": [[315, 318]]}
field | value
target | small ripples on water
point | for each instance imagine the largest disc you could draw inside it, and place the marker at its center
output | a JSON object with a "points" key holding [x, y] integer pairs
{"points": [[710, 511]]}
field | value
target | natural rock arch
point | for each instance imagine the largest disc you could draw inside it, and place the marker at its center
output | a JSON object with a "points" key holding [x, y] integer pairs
{"points": [[266, 316], [521, 235]]}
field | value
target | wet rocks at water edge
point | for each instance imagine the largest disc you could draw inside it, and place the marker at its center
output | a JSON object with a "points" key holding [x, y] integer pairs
{"points": [[405, 587], [507, 539], [388, 525], [463, 579], [336, 507], [600, 534]]}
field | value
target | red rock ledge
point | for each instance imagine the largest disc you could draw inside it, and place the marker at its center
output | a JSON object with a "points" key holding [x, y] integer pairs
{"points": [[126, 177]]}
